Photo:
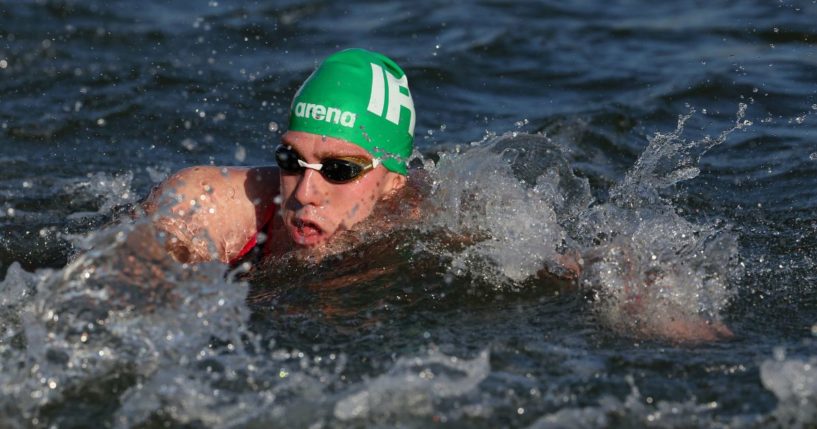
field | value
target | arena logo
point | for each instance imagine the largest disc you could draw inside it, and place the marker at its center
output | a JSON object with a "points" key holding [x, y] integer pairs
{"points": [[382, 81], [320, 112]]}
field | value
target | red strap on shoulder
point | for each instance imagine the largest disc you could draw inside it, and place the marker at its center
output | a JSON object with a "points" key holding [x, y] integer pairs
{"points": [[254, 239], [246, 249]]}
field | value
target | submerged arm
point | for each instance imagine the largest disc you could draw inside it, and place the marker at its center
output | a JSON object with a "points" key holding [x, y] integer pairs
{"points": [[645, 302]]}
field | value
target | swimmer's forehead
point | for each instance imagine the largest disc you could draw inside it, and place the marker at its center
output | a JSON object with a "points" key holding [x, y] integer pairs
{"points": [[323, 147]]}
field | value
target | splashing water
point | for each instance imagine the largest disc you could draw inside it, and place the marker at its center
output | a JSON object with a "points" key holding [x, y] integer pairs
{"points": [[654, 272], [411, 386], [510, 196], [514, 207], [794, 383], [141, 339], [667, 160]]}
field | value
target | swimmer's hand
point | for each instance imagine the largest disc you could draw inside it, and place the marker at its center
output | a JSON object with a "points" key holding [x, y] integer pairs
{"points": [[686, 330], [632, 302], [210, 213]]}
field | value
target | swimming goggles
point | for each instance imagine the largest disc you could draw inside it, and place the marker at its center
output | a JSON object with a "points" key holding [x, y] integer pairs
{"points": [[335, 170]]}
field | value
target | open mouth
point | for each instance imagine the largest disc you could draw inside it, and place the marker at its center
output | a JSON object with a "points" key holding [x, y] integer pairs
{"points": [[306, 232]]}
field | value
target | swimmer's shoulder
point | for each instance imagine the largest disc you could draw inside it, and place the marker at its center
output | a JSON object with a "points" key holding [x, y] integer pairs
{"points": [[225, 205], [192, 182]]}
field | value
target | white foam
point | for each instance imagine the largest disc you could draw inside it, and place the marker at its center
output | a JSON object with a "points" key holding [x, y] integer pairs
{"points": [[794, 383], [413, 386], [511, 227]]}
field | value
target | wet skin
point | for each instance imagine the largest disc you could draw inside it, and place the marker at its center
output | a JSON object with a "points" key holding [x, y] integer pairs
{"points": [[313, 208], [212, 212]]}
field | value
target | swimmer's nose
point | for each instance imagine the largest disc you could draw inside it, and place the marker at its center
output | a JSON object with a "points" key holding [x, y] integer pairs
{"points": [[308, 192]]}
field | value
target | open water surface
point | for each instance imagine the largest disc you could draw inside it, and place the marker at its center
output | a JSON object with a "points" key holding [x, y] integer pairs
{"points": [[671, 144]]}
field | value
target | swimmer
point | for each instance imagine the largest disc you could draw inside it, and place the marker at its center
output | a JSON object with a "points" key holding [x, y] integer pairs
{"points": [[350, 134], [343, 158]]}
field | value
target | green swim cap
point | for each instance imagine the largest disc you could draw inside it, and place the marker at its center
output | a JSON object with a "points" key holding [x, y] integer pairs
{"points": [[361, 97]]}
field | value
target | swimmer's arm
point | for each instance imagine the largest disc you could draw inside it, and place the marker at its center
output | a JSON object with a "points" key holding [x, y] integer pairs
{"points": [[210, 213]]}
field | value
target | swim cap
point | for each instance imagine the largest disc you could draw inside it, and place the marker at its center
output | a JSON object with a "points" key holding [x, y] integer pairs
{"points": [[361, 97]]}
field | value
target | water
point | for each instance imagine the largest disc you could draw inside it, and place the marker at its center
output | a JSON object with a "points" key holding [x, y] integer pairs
{"points": [[670, 146]]}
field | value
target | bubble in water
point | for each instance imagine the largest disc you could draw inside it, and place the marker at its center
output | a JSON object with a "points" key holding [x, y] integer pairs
{"points": [[273, 126], [522, 123], [189, 144], [240, 153], [813, 157], [814, 107], [3, 64]]}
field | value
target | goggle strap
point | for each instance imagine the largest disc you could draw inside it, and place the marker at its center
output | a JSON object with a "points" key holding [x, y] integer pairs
{"points": [[316, 167]]}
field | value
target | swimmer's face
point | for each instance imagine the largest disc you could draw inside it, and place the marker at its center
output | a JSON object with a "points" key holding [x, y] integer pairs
{"points": [[314, 209]]}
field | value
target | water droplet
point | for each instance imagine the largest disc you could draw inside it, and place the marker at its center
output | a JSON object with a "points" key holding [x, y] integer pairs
{"points": [[779, 353], [776, 30], [3, 64], [100, 122], [240, 153], [813, 157], [520, 124], [273, 126], [814, 107], [189, 144]]}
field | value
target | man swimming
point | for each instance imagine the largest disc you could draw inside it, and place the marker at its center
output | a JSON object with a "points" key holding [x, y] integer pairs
{"points": [[351, 131]]}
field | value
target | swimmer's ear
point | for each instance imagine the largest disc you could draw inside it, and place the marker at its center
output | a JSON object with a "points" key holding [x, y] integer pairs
{"points": [[394, 182]]}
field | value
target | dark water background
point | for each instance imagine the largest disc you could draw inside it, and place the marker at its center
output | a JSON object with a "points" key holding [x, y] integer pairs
{"points": [[100, 100]]}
